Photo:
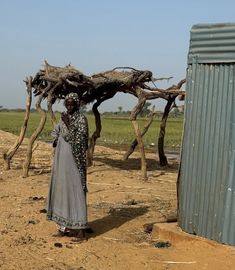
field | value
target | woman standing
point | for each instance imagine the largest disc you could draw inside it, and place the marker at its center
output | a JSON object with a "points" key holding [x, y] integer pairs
{"points": [[67, 193]]}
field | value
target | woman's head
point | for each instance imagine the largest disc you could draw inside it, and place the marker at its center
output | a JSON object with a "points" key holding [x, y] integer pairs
{"points": [[72, 103]]}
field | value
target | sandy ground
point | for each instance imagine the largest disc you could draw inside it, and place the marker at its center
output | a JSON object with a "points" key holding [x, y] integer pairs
{"points": [[119, 204]]}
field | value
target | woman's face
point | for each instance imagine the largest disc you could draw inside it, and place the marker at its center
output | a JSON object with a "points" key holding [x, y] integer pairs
{"points": [[71, 106]]}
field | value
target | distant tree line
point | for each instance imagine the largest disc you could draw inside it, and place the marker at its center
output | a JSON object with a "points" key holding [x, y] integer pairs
{"points": [[2, 109], [176, 112]]}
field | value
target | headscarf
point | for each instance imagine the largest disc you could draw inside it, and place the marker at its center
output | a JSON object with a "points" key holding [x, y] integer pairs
{"points": [[73, 96]]}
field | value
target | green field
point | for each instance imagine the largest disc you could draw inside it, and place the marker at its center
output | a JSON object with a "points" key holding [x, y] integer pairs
{"points": [[115, 131]]}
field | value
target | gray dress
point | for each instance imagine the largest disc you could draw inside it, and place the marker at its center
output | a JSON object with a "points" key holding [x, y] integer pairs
{"points": [[67, 192]]}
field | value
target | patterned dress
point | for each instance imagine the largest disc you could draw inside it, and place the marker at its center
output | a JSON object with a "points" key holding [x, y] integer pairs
{"points": [[67, 193], [77, 137]]}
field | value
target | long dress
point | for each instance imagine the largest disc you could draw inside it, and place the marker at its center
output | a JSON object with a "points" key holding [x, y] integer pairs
{"points": [[67, 192]]}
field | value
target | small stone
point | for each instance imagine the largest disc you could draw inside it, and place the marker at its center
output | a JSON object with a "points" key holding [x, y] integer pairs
{"points": [[131, 202], [36, 198], [148, 227], [162, 244], [59, 245], [32, 222]]}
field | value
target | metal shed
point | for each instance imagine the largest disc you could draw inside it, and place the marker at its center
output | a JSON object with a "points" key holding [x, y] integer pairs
{"points": [[206, 181]]}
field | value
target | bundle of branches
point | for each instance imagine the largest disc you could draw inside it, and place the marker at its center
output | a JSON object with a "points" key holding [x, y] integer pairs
{"points": [[54, 83], [57, 82]]}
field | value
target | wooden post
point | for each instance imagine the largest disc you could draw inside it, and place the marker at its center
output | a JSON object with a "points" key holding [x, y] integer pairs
{"points": [[162, 157], [135, 142], [134, 114], [50, 110], [141, 148], [95, 135], [11, 152], [34, 136]]}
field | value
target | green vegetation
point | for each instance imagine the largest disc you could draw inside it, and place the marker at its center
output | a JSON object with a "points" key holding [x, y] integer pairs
{"points": [[115, 130]]}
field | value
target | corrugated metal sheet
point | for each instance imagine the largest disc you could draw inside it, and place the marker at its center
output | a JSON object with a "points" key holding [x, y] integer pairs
{"points": [[207, 174], [212, 43]]}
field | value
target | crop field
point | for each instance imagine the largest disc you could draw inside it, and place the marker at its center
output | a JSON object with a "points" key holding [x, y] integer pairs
{"points": [[115, 130]]}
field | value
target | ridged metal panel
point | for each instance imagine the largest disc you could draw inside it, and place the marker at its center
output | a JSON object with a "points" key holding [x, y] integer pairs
{"points": [[212, 43], [207, 174]]}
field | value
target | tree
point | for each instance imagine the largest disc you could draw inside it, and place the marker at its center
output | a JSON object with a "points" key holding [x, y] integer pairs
{"points": [[119, 109]]}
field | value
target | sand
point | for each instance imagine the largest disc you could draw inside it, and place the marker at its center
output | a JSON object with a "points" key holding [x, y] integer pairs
{"points": [[119, 206]]}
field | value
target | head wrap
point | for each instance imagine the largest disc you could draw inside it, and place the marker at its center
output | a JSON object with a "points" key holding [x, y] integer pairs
{"points": [[73, 96]]}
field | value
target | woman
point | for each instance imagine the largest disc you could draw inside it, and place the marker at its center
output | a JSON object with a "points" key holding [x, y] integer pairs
{"points": [[67, 193]]}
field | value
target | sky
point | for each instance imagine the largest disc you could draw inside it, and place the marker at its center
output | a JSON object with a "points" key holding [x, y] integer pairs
{"points": [[97, 35]]}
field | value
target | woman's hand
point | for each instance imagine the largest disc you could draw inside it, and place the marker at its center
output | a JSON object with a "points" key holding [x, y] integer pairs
{"points": [[54, 144], [65, 118]]}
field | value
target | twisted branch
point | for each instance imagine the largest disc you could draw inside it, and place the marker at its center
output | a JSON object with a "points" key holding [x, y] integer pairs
{"points": [[54, 83]]}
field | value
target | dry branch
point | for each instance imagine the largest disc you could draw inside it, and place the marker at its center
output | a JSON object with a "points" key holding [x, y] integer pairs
{"points": [[135, 142], [161, 153], [96, 133], [54, 83], [134, 114], [8, 156], [34, 136]]}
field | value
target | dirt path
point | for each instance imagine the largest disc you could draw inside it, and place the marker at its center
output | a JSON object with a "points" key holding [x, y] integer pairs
{"points": [[119, 204]]}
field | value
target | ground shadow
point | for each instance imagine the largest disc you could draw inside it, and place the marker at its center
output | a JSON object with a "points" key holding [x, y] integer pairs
{"points": [[135, 164], [115, 218]]}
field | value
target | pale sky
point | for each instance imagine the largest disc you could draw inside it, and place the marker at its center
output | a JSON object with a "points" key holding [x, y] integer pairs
{"points": [[99, 35]]}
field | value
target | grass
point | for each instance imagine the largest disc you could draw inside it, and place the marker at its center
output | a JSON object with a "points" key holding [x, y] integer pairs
{"points": [[115, 131]]}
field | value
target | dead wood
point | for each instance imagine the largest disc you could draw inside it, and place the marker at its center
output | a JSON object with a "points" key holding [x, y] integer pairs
{"points": [[161, 138], [96, 133], [8, 156], [50, 102], [135, 142], [134, 113], [54, 83], [34, 136]]}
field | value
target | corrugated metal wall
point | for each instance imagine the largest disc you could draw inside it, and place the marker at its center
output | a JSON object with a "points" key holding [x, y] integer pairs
{"points": [[212, 43], [207, 174]]}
